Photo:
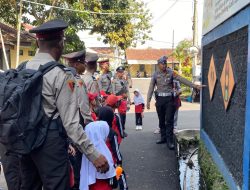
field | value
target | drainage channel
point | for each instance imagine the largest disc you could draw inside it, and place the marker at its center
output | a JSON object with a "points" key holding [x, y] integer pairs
{"points": [[187, 154]]}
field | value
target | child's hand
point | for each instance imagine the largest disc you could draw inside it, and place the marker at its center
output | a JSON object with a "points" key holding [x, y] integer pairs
{"points": [[71, 150], [142, 115]]}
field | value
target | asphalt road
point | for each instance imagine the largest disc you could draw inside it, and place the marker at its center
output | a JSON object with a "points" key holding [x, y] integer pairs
{"points": [[150, 166]]}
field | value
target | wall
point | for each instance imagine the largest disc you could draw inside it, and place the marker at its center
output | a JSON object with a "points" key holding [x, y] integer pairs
{"points": [[22, 58], [226, 134]]}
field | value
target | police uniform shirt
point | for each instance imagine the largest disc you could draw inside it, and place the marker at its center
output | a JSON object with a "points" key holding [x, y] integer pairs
{"points": [[59, 94], [83, 100], [105, 82], [91, 83], [164, 82], [118, 85]]}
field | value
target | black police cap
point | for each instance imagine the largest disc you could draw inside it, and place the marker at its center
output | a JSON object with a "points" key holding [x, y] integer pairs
{"points": [[50, 30], [91, 57], [76, 56], [162, 60], [120, 69]]}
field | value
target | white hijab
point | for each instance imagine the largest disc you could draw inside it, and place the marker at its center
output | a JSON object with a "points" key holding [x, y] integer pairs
{"points": [[138, 99], [97, 133]]}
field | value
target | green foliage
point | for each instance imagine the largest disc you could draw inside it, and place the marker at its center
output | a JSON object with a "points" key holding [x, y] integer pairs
{"points": [[118, 30], [212, 177]]}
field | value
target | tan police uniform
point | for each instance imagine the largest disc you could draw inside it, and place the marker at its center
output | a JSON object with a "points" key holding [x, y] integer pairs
{"points": [[91, 83], [105, 82], [60, 93]]}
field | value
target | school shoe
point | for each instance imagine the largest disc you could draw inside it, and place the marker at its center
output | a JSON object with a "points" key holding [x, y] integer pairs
{"points": [[125, 134], [140, 127], [175, 131], [157, 131], [137, 128]]}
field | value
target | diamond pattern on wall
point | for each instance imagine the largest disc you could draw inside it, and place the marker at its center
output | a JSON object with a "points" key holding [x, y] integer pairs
{"points": [[212, 78], [227, 81]]}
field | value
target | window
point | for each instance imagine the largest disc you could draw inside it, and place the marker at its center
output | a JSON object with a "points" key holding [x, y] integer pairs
{"points": [[21, 52], [142, 68], [31, 53]]}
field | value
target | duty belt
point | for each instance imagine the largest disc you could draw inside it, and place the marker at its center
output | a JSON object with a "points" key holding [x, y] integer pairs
{"points": [[164, 94]]}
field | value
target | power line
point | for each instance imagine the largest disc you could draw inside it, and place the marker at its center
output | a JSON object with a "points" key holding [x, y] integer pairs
{"points": [[79, 11], [164, 13]]}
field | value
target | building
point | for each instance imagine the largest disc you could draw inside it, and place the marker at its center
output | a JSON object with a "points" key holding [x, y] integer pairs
{"points": [[10, 41], [144, 61]]}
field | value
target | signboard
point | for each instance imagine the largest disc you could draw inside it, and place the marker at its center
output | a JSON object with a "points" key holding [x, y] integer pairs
{"points": [[212, 78], [227, 81], [217, 11]]}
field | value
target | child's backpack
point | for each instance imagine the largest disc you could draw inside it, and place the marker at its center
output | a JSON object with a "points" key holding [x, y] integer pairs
{"points": [[23, 122]]}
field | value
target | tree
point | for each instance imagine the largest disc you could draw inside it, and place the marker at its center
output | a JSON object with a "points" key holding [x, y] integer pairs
{"points": [[118, 30]]}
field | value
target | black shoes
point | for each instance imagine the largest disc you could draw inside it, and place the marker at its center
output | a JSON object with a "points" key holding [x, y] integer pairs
{"points": [[125, 134], [170, 143], [161, 141]]}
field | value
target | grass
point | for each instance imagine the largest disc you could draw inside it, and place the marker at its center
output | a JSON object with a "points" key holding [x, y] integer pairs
{"points": [[212, 177]]}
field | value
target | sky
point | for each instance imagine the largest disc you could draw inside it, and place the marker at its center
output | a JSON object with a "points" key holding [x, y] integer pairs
{"points": [[168, 16]]}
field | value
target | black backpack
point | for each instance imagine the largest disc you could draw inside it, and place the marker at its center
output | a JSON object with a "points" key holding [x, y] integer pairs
{"points": [[23, 122]]}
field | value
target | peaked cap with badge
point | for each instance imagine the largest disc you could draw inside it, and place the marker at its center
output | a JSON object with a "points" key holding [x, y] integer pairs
{"points": [[91, 57], [162, 60], [78, 56], [103, 60], [120, 69], [50, 30]]}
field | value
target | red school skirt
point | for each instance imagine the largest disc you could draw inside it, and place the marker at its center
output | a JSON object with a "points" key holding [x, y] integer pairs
{"points": [[101, 184]]}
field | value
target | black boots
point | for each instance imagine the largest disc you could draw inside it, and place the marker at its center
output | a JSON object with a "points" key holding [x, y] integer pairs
{"points": [[161, 141], [170, 143]]}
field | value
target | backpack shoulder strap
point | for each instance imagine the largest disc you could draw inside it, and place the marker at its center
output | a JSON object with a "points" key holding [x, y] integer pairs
{"points": [[49, 66]]}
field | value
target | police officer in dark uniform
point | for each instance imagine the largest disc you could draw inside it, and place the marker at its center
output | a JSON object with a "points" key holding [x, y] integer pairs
{"points": [[48, 167], [165, 107]]}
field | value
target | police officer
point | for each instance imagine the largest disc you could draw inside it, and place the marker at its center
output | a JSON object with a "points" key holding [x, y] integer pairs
{"points": [[88, 77], [76, 61], [165, 107], [105, 80], [48, 166], [120, 87]]}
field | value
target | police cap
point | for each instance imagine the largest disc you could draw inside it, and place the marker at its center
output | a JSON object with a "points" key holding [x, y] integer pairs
{"points": [[91, 57], [50, 30], [162, 60], [78, 56], [103, 60], [120, 69]]}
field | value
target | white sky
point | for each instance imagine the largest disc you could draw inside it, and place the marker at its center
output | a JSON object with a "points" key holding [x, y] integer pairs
{"points": [[168, 15]]}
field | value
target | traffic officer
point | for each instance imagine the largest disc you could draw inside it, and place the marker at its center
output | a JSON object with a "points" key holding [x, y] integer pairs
{"points": [[105, 80], [165, 107], [77, 65], [48, 167]]}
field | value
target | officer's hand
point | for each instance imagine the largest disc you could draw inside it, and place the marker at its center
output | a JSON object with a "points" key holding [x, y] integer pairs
{"points": [[148, 106], [101, 164], [71, 150], [199, 87]]}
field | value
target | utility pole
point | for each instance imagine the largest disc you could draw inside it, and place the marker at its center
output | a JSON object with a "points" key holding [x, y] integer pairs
{"points": [[18, 33], [195, 38], [173, 52]]}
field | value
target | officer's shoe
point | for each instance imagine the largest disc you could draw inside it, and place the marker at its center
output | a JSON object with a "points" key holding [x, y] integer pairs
{"points": [[170, 143], [161, 141]]}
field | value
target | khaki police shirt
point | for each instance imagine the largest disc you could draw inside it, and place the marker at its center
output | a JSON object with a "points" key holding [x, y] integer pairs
{"points": [[83, 100], [164, 82], [59, 93], [91, 83], [105, 82], [118, 85]]}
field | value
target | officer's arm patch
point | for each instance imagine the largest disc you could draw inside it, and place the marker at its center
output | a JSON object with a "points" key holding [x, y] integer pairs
{"points": [[71, 85]]}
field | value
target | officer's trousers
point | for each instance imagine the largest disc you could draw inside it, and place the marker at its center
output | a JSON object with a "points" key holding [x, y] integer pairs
{"points": [[165, 108], [48, 167], [12, 171]]}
